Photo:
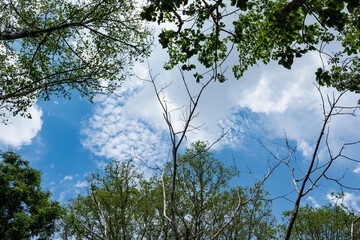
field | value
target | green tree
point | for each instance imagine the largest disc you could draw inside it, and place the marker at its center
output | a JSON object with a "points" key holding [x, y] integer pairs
{"points": [[261, 31], [26, 211], [123, 205], [117, 205], [52, 47], [255, 221], [328, 222], [205, 200]]}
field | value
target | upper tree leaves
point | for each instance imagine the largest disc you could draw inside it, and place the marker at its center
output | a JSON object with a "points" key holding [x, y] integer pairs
{"points": [[52, 47], [261, 31], [122, 204], [26, 211], [206, 200], [326, 222]]}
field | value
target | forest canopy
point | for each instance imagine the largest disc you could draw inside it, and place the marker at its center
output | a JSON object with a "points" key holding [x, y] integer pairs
{"points": [[53, 47]]}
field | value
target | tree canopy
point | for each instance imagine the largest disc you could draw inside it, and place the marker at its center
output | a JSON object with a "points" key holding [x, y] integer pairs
{"points": [[122, 204], [260, 31], [26, 211], [331, 221], [52, 47]]}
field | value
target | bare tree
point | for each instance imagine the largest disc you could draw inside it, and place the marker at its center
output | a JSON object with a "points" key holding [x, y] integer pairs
{"points": [[316, 170], [177, 138]]}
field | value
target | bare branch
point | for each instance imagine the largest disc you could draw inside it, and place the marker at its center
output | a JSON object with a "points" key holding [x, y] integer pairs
{"points": [[256, 187], [100, 211], [164, 194], [314, 168], [91, 231]]}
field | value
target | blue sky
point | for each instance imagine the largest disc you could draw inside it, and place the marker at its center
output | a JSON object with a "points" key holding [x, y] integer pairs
{"points": [[67, 140]]}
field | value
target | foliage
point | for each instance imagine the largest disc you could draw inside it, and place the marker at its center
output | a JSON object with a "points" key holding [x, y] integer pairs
{"points": [[205, 199], [115, 206], [262, 30], [255, 220], [327, 222], [123, 205], [52, 47], [25, 210]]}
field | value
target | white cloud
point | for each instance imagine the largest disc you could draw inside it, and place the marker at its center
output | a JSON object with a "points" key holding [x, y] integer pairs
{"points": [[292, 103], [116, 130], [20, 131], [82, 184], [264, 103], [313, 201], [277, 90], [305, 148], [68, 178], [349, 200], [62, 196], [357, 170]]}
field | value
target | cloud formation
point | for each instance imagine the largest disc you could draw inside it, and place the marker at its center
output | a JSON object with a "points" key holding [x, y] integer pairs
{"points": [[121, 131], [20, 131], [267, 102]]}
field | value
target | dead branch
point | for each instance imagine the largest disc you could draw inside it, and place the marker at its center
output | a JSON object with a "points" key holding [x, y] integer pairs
{"points": [[315, 172], [177, 138], [251, 198], [101, 212]]}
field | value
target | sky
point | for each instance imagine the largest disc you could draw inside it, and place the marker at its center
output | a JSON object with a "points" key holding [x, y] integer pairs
{"points": [[69, 139]]}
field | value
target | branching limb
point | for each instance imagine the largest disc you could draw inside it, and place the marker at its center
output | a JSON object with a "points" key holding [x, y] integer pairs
{"points": [[101, 213], [241, 203]]}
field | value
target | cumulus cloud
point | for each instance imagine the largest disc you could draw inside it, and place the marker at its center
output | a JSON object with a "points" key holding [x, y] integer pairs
{"points": [[291, 103], [20, 131]]}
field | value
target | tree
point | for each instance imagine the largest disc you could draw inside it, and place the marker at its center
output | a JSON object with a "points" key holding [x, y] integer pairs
{"points": [[332, 221], [305, 180], [261, 31], [178, 135], [52, 47], [206, 200], [123, 205], [26, 211], [119, 204]]}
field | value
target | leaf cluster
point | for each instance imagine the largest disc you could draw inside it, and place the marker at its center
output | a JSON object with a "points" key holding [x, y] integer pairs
{"points": [[262, 31], [53, 47], [332, 221], [26, 211]]}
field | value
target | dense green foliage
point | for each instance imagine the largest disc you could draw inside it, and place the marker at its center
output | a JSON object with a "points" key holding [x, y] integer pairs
{"points": [[205, 201], [123, 205], [261, 31], [26, 211], [332, 222], [118, 205], [52, 47]]}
